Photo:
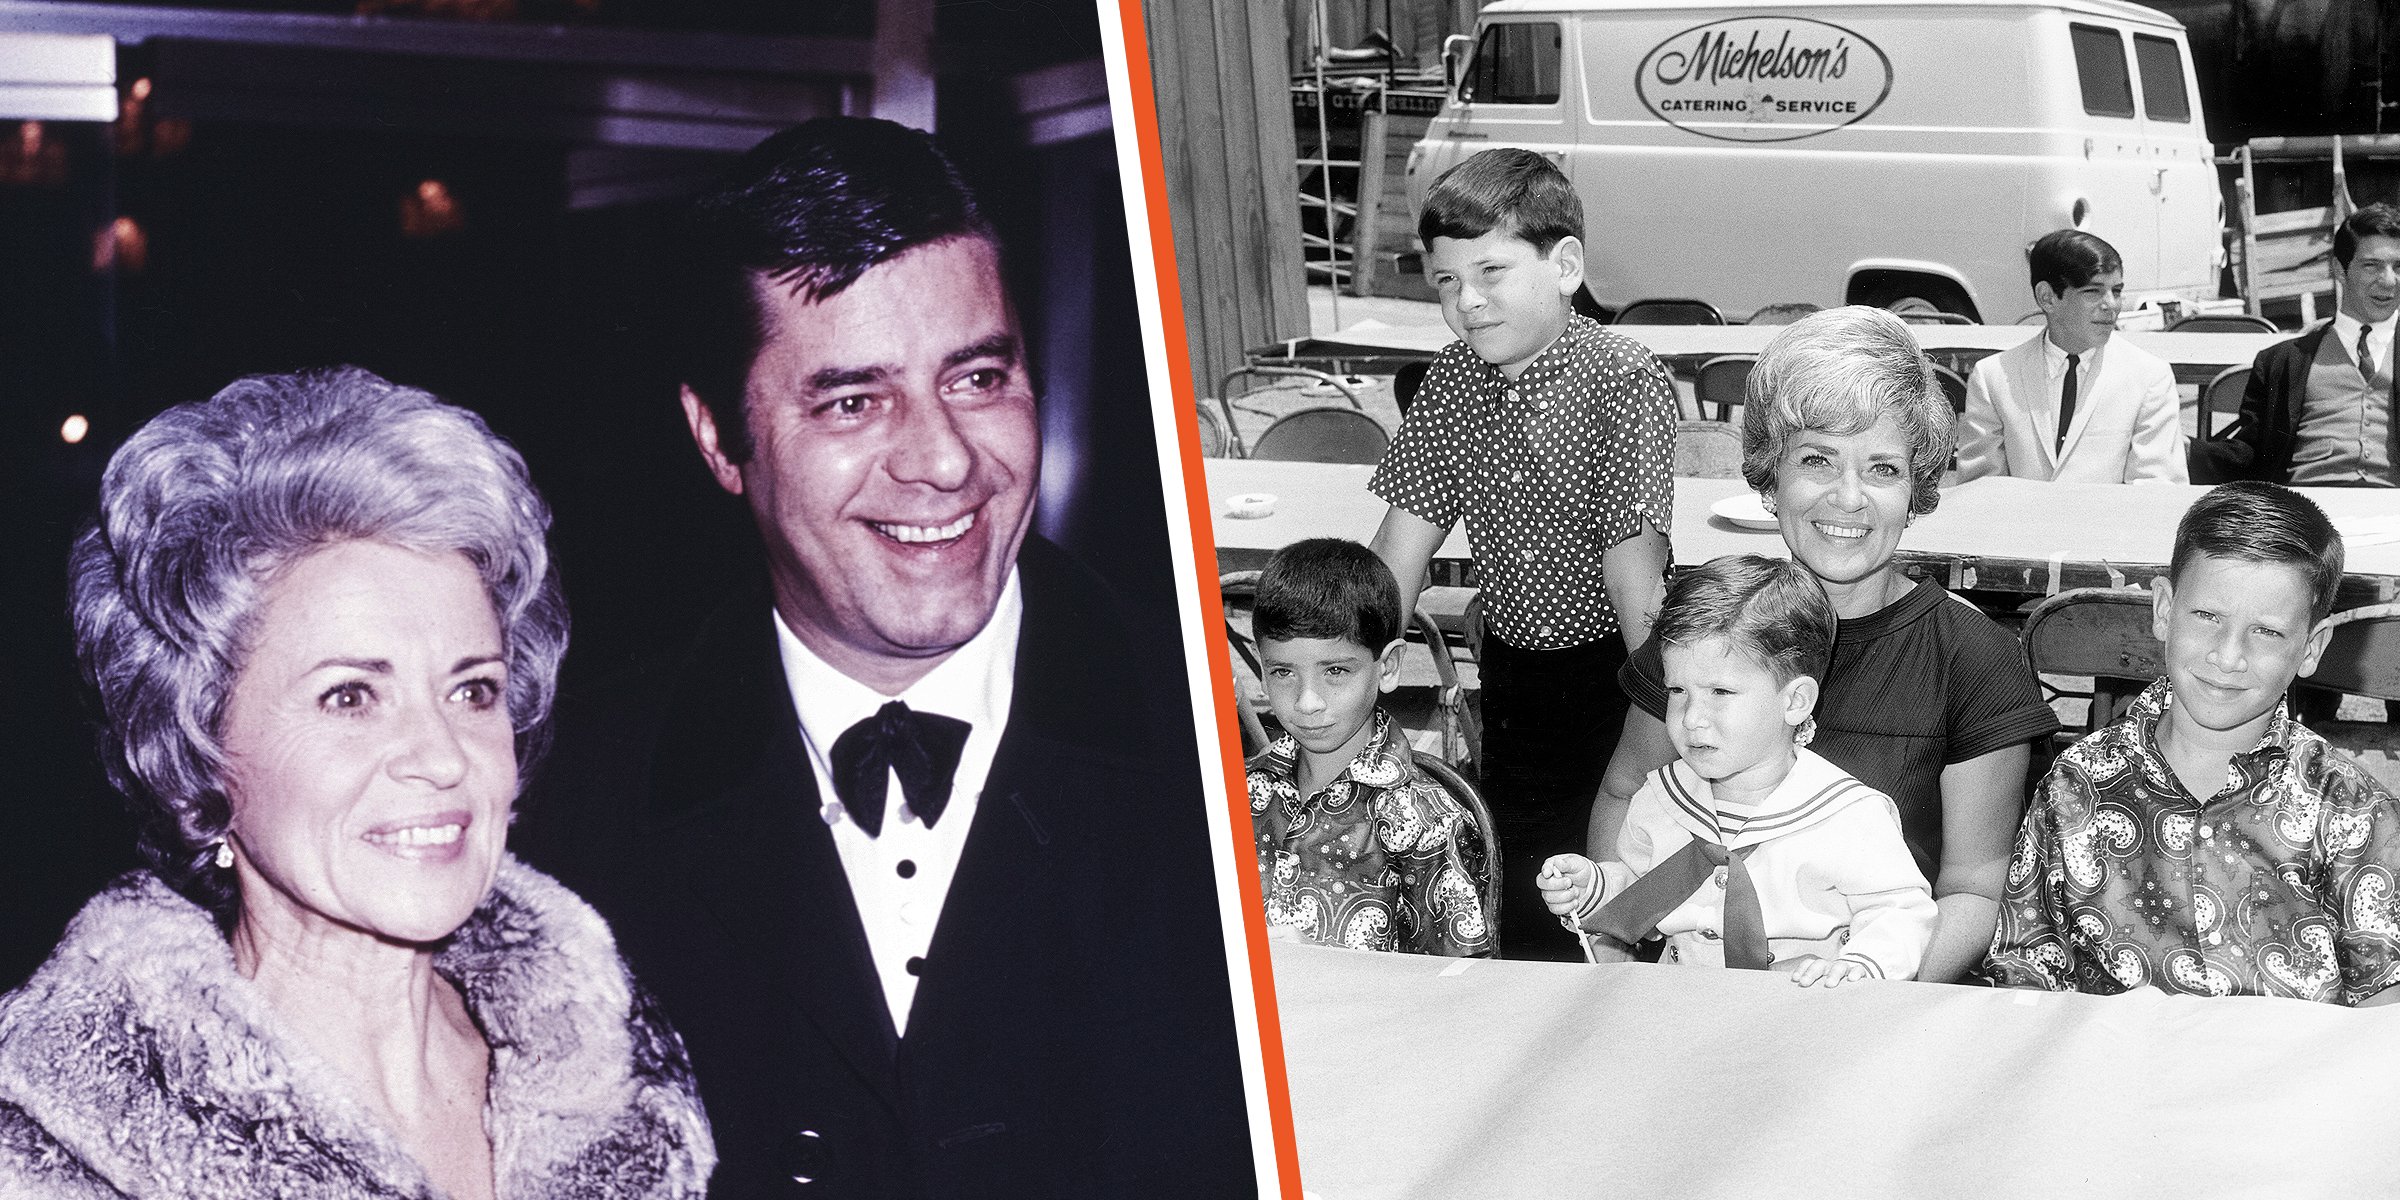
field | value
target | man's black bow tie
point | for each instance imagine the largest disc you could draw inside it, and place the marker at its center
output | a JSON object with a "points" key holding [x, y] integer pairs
{"points": [[921, 748]]}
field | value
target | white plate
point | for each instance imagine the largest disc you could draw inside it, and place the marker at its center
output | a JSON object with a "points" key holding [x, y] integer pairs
{"points": [[1250, 506], [1744, 509]]}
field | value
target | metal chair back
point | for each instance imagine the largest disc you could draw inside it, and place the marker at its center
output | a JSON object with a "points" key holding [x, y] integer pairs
{"points": [[2223, 323], [1722, 381], [2101, 633], [1249, 690], [1337, 435], [1216, 440], [1670, 312], [1486, 864], [2221, 403], [1954, 385], [2363, 655]]}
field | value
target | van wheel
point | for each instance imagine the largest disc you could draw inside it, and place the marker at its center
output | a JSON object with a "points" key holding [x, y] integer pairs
{"points": [[1913, 293]]}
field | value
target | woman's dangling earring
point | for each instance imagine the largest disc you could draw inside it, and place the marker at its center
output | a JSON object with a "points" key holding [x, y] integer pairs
{"points": [[225, 854], [1806, 733]]}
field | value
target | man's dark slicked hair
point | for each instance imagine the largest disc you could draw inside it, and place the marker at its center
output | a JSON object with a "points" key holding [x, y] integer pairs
{"points": [[1515, 191], [2070, 258], [2379, 219], [810, 209], [1327, 588], [2263, 523]]}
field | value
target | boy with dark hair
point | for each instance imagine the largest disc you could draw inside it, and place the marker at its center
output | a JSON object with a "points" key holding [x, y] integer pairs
{"points": [[1749, 851], [2074, 404], [1551, 438], [2318, 408], [2207, 842], [1355, 847]]}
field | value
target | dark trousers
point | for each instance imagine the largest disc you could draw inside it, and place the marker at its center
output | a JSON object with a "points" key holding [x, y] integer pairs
{"points": [[1550, 722]]}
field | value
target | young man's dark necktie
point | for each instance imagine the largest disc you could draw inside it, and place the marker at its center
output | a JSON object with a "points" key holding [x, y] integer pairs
{"points": [[2066, 405], [921, 748], [2366, 361]]}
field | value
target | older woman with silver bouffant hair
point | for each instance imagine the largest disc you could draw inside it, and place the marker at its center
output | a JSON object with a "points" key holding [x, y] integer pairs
{"points": [[324, 629], [1845, 437]]}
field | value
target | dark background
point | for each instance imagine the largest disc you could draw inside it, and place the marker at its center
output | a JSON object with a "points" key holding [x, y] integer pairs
{"points": [[269, 244]]}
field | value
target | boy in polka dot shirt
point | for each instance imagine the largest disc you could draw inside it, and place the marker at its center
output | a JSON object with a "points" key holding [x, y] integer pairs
{"points": [[1550, 437]]}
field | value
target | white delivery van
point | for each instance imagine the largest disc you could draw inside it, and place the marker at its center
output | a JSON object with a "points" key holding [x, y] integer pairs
{"points": [[1849, 151]]}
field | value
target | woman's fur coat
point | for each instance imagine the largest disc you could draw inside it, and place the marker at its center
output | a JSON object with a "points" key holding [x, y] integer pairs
{"points": [[138, 1062]]}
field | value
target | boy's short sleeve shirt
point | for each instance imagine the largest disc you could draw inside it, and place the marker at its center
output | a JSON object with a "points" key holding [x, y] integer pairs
{"points": [[1548, 470], [2281, 884], [1375, 860]]}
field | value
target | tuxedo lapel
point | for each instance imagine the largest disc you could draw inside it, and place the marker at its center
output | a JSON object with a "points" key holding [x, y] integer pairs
{"points": [[754, 850]]}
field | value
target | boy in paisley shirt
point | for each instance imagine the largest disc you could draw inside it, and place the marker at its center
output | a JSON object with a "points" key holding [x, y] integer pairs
{"points": [[1355, 847], [2207, 843]]}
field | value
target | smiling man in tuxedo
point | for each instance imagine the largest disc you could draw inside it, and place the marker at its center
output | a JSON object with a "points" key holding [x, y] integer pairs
{"points": [[911, 848]]}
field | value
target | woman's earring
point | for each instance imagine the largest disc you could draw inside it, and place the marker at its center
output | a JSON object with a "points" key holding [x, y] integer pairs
{"points": [[1807, 732], [225, 855], [1766, 500]]}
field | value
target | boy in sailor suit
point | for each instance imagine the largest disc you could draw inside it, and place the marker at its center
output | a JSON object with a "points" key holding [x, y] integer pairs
{"points": [[1749, 851]]}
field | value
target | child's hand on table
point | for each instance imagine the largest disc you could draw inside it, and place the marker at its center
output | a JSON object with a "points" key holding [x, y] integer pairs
{"points": [[1567, 882], [1810, 971]]}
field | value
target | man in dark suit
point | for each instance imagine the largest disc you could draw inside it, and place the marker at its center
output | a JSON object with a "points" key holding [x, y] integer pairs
{"points": [[910, 846], [2322, 409]]}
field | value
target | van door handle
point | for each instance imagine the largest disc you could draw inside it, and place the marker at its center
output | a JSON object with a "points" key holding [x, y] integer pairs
{"points": [[2158, 181], [1558, 158]]}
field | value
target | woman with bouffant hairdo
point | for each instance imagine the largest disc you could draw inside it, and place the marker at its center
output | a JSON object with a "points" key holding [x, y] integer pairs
{"points": [[324, 630], [1845, 435]]}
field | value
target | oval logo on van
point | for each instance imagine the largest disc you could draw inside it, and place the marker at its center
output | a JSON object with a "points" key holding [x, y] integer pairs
{"points": [[1763, 79]]}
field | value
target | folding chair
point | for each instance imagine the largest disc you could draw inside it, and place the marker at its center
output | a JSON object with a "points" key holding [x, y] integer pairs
{"points": [[1954, 385], [2099, 633], [1225, 395], [1723, 381], [1335, 435], [1670, 312], [2222, 399], [1482, 859], [1216, 440], [1249, 688], [2223, 323], [2363, 655]]}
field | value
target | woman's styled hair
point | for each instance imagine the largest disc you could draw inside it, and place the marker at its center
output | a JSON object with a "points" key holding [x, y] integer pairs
{"points": [[203, 506], [1840, 371], [1771, 609]]}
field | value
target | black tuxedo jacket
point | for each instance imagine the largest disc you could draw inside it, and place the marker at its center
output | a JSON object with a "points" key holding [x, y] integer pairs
{"points": [[1072, 1033], [2261, 445]]}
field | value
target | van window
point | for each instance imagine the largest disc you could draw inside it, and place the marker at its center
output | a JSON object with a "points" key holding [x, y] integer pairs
{"points": [[1516, 63], [2100, 65], [2163, 95]]}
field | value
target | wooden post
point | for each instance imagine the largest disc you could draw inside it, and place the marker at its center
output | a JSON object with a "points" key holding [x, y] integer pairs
{"points": [[1224, 114], [1364, 230]]}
